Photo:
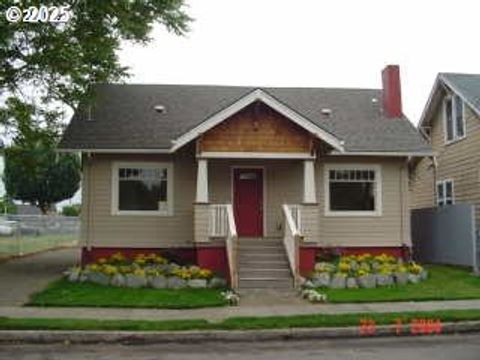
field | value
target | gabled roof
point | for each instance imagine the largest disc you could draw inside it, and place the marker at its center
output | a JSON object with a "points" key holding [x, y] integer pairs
{"points": [[123, 117], [467, 86]]}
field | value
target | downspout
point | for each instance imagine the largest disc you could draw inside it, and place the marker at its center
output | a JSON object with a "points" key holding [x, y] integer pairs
{"points": [[402, 205], [434, 185], [88, 242]]}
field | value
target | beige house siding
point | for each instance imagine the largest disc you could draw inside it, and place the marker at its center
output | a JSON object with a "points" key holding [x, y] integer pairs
{"points": [[389, 229], [136, 231], [283, 184], [459, 161]]}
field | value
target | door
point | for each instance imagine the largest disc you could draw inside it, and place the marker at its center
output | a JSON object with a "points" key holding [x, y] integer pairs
{"points": [[248, 201]]}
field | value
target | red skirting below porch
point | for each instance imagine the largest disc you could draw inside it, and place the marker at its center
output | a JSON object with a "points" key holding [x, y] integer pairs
{"points": [[213, 258], [308, 254]]}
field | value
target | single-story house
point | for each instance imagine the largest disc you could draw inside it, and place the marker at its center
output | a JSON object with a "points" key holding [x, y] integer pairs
{"points": [[208, 172]]}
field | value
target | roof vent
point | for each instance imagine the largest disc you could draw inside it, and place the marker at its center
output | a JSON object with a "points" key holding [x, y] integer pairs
{"points": [[161, 109], [326, 111], [374, 100]]}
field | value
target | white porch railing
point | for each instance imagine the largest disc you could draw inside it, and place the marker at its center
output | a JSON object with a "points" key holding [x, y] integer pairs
{"points": [[222, 225], [292, 237]]}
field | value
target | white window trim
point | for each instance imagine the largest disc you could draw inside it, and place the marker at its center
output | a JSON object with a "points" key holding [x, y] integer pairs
{"points": [[444, 185], [378, 190], [146, 165], [454, 119]]}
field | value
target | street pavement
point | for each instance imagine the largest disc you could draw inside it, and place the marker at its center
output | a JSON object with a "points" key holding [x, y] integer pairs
{"points": [[464, 347]]}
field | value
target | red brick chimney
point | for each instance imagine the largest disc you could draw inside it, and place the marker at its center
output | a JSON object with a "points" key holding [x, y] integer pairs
{"points": [[392, 93]]}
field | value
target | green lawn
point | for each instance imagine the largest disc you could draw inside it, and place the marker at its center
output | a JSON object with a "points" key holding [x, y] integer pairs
{"points": [[65, 293], [240, 323], [444, 283]]}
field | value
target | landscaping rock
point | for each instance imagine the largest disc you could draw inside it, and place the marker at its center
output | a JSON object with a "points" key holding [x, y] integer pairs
{"points": [[135, 281], [175, 282], [424, 275], [324, 267], [118, 280], [338, 282], [158, 282], [217, 282], [74, 276], [401, 278], [83, 277], [367, 281], [197, 283], [308, 285], [352, 283], [384, 280], [99, 278], [321, 280], [413, 279]]}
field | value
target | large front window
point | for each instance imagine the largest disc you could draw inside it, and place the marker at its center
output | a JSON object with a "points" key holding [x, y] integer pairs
{"points": [[142, 188], [353, 190]]}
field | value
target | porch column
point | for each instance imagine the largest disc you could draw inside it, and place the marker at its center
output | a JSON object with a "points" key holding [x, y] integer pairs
{"points": [[202, 182], [309, 193]]}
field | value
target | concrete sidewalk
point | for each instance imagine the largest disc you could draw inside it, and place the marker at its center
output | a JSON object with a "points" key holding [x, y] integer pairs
{"points": [[218, 314]]}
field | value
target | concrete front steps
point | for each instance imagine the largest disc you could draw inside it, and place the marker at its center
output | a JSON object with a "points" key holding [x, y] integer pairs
{"points": [[263, 264]]}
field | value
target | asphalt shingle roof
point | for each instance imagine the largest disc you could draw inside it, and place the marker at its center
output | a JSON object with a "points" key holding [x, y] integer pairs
{"points": [[123, 116], [468, 86]]}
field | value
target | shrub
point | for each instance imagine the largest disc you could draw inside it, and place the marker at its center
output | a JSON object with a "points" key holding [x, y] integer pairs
{"points": [[71, 210]]}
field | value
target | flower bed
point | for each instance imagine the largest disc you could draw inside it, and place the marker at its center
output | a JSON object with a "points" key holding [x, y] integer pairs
{"points": [[145, 270], [365, 271]]}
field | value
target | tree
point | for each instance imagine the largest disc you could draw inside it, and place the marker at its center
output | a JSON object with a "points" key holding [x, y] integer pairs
{"points": [[37, 174], [34, 171], [46, 65]]}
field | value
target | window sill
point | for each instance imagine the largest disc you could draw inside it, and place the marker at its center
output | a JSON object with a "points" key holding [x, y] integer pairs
{"points": [[143, 213], [353, 213], [454, 141]]}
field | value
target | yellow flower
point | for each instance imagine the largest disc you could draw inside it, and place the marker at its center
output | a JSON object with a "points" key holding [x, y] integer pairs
{"points": [[109, 269], [205, 274], [117, 257], [102, 261], [344, 266]]}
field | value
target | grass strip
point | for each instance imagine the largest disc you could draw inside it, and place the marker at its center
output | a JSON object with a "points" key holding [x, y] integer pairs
{"points": [[444, 283], [237, 323], [63, 293]]}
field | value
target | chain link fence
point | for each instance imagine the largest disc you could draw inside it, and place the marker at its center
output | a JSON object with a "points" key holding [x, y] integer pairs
{"points": [[26, 234]]}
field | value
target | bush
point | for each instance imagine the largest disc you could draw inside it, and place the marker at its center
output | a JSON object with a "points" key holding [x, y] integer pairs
{"points": [[7, 206], [71, 210]]}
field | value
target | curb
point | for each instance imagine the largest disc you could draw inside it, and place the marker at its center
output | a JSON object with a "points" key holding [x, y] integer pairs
{"points": [[148, 337]]}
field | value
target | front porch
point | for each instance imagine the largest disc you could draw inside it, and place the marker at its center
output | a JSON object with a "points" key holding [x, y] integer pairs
{"points": [[256, 214]]}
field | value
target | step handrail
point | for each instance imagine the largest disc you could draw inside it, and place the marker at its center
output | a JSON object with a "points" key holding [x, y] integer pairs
{"points": [[291, 241], [231, 244]]}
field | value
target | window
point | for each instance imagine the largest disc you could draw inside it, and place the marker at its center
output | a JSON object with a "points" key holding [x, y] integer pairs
{"points": [[353, 190], [142, 188], [445, 194], [454, 118]]}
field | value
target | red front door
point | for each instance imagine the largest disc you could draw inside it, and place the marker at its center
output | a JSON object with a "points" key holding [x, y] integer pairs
{"points": [[248, 201]]}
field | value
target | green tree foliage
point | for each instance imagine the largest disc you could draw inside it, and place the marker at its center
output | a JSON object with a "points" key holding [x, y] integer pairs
{"points": [[44, 66], [34, 171], [37, 174]]}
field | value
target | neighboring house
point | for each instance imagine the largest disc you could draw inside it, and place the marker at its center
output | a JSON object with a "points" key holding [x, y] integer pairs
{"points": [[451, 123], [159, 160]]}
